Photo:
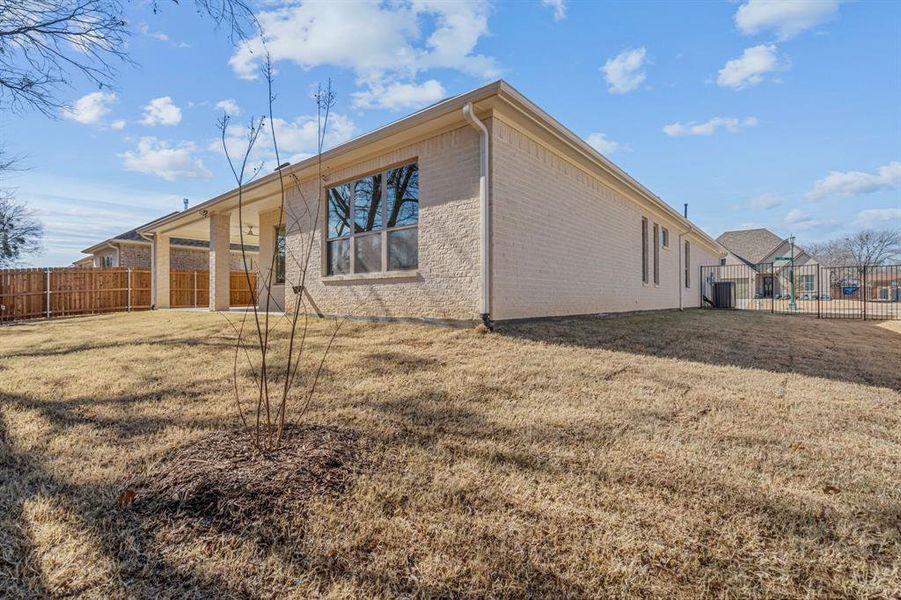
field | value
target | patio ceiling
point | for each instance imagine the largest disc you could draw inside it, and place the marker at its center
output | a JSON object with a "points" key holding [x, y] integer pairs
{"points": [[196, 225]]}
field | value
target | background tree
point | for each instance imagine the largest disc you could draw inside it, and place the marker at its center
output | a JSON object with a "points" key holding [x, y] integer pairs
{"points": [[831, 253], [20, 232], [47, 44], [875, 246], [866, 248]]}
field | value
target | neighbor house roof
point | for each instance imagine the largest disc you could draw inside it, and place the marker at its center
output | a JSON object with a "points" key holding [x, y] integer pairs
{"points": [[750, 245], [442, 112], [133, 236]]}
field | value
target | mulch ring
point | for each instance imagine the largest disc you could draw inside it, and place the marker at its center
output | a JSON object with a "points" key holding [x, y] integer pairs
{"points": [[223, 481]]}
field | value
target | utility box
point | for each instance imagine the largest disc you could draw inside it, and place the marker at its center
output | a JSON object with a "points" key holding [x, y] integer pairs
{"points": [[724, 294]]}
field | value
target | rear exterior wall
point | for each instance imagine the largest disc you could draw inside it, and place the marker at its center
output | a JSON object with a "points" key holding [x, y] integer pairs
{"points": [[446, 283], [565, 242]]}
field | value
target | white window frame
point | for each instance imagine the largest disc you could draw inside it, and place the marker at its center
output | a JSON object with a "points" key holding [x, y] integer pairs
{"points": [[687, 251], [664, 238]]}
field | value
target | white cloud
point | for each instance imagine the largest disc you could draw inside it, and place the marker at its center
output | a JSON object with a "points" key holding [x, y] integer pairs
{"points": [[874, 217], [375, 40], [602, 144], [161, 111], [787, 18], [764, 201], [749, 69], [624, 71], [90, 109], [799, 220], [730, 124], [157, 157], [297, 139], [229, 107], [399, 95], [852, 183], [559, 7], [118, 124], [160, 36]]}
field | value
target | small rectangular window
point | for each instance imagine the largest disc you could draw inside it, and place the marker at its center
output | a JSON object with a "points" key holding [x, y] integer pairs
{"points": [[279, 255], [656, 254], [665, 238], [644, 250], [368, 204], [338, 257], [403, 196], [339, 211], [403, 249], [368, 253], [687, 264]]}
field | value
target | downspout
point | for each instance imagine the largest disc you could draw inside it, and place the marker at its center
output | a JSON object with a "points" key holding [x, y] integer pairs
{"points": [[484, 216], [681, 250]]}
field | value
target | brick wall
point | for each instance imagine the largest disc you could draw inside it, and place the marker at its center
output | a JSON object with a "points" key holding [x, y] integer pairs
{"points": [[446, 285], [137, 256], [567, 242]]}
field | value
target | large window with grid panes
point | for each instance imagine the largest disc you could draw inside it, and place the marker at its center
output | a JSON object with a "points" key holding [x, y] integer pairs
{"points": [[373, 223]]}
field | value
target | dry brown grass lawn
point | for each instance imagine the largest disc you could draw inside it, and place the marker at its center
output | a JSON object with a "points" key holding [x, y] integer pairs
{"points": [[665, 455]]}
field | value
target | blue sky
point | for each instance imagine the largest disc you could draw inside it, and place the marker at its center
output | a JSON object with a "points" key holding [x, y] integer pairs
{"points": [[785, 115]]}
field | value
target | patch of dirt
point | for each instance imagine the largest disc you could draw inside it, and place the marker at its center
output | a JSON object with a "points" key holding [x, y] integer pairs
{"points": [[223, 481]]}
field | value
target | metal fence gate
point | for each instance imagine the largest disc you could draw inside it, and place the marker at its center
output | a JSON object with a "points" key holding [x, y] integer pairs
{"points": [[826, 292]]}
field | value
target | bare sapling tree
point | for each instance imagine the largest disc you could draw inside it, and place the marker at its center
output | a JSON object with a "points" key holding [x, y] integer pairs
{"points": [[275, 374]]}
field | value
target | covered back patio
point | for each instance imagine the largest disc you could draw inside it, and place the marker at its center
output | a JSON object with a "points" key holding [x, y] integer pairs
{"points": [[226, 227]]}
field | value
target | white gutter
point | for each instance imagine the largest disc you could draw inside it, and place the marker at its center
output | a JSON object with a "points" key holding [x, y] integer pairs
{"points": [[484, 216]]}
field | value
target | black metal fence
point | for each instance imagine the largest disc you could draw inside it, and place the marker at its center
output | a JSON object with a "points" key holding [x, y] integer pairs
{"points": [[826, 292]]}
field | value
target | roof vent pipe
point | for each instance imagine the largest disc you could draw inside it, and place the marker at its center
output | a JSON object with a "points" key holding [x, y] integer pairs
{"points": [[185, 202], [685, 210], [484, 221]]}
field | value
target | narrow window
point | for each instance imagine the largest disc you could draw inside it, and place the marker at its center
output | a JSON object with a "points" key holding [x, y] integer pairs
{"points": [[665, 238], [722, 262], [644, 250], [656, 254], [338, 234], [687, 264], [403, 218], [280, 253], [374, 221]]}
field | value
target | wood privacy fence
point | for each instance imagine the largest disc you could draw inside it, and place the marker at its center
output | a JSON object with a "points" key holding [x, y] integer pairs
{"points": [[61, 292]]}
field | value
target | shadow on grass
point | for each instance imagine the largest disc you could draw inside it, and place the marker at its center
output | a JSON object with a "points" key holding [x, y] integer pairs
{"points": [[849, 351], [140, 569], [69, 349]]}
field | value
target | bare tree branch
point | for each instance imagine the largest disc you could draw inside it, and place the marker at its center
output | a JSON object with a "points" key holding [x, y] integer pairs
{"points": [[46, 45]]}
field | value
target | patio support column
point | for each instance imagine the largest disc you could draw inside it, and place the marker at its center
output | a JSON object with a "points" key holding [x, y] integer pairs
{"points": [[220, 261], [160, 271], [268, 222]]}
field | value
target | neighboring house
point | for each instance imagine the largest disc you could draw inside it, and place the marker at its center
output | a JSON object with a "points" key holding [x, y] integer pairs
{"points": [[768, 277], [131, 250], [481, 206]]}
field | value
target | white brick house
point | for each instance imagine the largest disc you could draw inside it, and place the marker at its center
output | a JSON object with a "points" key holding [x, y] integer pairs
{"points": [[481, 206]]}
